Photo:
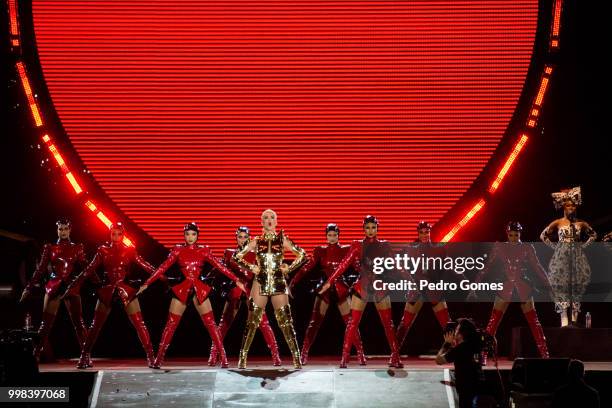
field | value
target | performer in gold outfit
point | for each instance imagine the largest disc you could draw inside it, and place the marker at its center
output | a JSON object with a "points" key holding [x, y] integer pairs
{"points": [[270, 283]]}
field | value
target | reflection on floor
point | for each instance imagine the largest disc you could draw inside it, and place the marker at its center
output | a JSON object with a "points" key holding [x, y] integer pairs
{"points": [[190, 383]]}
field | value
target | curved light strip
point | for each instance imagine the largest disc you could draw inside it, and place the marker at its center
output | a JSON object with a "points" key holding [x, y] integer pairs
{"points": [[556, 26], [534, 114], [54, 151]]}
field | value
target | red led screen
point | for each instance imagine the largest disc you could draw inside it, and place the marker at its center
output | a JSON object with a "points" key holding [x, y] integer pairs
{"points": [[322, 110]]}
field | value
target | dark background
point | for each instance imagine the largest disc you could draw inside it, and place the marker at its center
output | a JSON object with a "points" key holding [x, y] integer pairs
{"points": [[570, 149]]}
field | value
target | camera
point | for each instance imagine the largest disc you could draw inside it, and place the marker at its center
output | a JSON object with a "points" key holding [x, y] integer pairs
{"points": [[450, 327], [482, 342], [488, 343]]}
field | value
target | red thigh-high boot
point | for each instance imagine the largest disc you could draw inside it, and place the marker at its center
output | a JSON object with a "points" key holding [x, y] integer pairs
{"points": [[268, 334], [349, 336], [496, 316], [404, 327], [442, 317], [171, 325], [98, 321], [387, 322], [356, 341], [537, 332], [494, 320], [43, 332], [76, 315], [311, 332], [143, 335], [227, 318], [209, 322]]}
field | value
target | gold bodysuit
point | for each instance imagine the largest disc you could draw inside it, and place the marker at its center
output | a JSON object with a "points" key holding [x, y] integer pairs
{"points": [[269, 252]]}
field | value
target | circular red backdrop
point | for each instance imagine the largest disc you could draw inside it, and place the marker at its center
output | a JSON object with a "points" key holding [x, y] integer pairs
{"points": [[322, 110]]}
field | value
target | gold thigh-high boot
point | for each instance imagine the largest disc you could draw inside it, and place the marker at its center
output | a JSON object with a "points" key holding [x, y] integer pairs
{"points": [[253, 320], [285, 323]]}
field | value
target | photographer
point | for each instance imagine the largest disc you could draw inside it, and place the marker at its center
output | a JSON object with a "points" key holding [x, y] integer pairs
{"points": [[462, 347], [576, 393]]}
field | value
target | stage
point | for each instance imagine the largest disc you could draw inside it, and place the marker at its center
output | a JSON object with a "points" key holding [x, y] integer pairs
{"points": [[154, 145], [190, 382]]}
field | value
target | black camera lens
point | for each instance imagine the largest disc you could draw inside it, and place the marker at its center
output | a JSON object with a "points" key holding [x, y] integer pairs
{"points": [[450, 326]]}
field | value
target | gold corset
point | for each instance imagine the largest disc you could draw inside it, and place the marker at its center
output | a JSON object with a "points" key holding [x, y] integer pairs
{"points": [[269, 250]]}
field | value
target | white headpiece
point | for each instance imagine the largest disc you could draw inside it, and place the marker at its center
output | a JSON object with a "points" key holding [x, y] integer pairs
{"points": [[572, 194]]}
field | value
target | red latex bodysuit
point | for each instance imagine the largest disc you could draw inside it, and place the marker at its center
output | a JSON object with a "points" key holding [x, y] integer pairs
{"points": [[516, 260], [361, 255], [327, 258], [191, 259], [63, 257], [116, 260], [242, 273], [427, 250]]}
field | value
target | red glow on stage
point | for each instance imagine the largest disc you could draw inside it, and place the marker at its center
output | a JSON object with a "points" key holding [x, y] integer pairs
{"points": [[62, 164], [466, 218], [509, 161], [556, 24], [13, 22], [92, 207], [542, 91], [539, 100], [74, 183], [25, 82], [77, 187], [105, 220], [58, 157]]}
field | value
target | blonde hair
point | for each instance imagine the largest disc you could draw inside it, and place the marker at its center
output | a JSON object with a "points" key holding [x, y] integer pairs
{"points": [[269, 210]]}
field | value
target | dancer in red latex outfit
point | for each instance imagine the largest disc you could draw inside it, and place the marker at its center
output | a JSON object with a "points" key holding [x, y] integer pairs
{"points": [[235, 296], [361, 255], [414, 301], [62, 256], [116, 261], [516, 257], [327, 258], [191, 257]]}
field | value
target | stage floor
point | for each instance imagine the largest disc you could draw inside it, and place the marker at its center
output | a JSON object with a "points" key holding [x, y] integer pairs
{"points": [[315, 363], [191, 383]]}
